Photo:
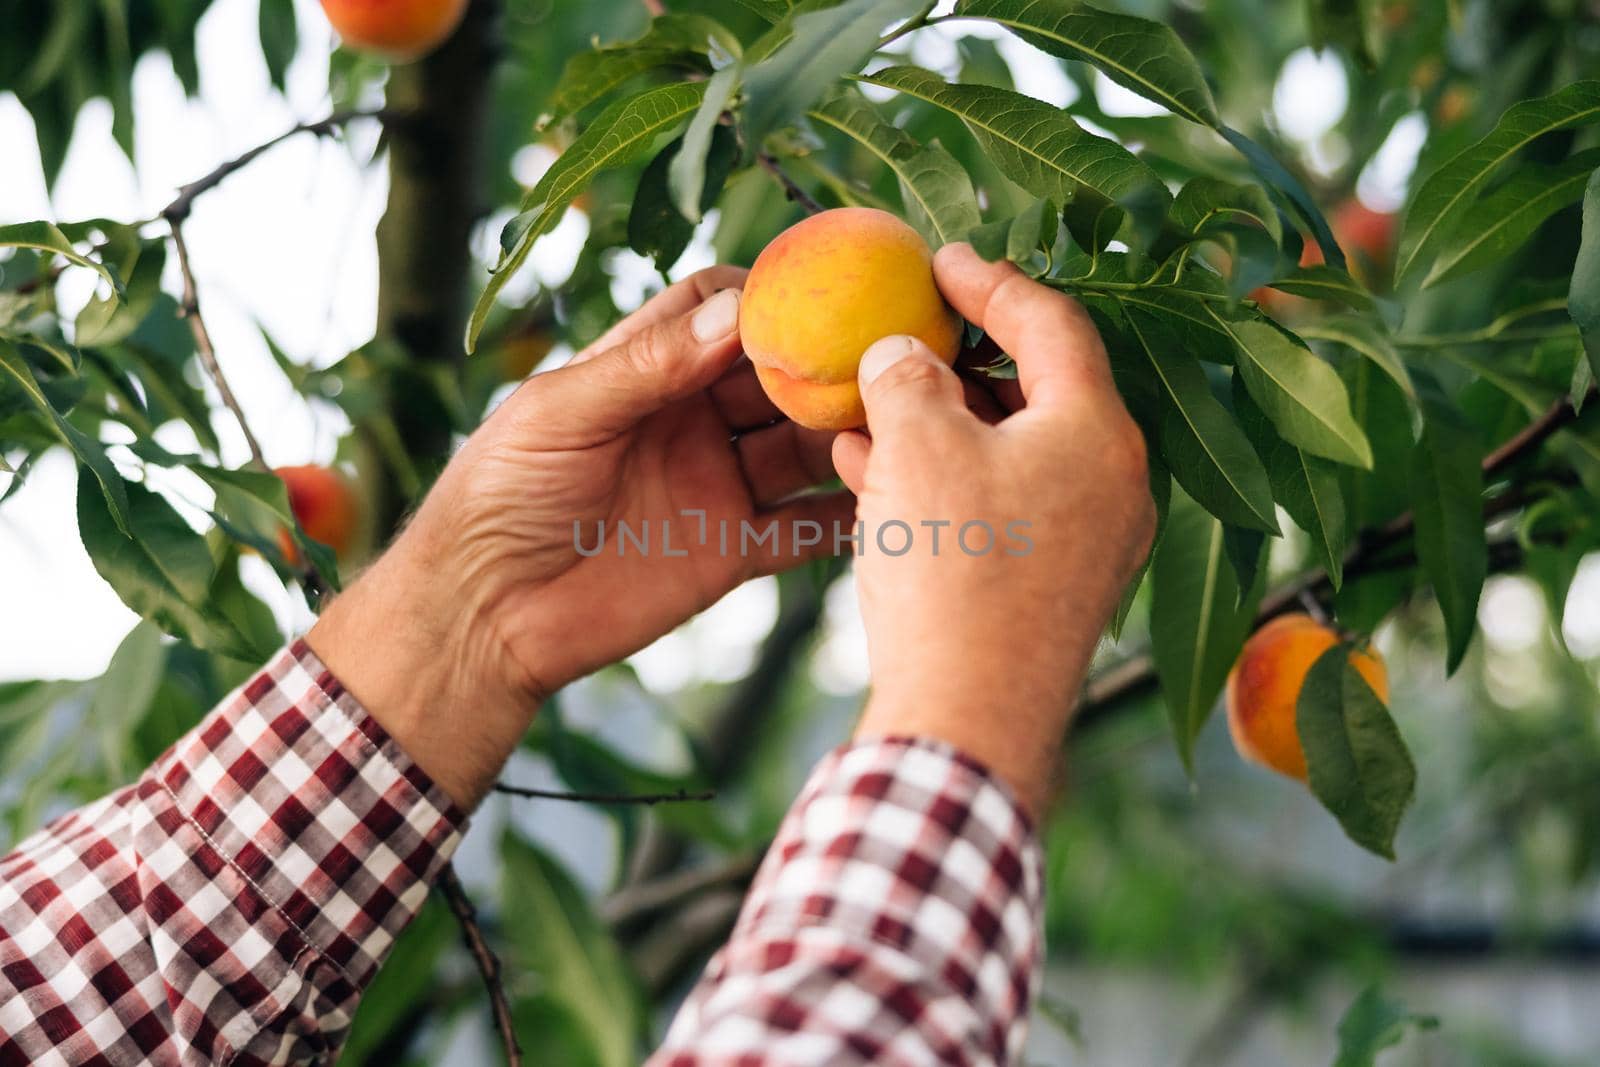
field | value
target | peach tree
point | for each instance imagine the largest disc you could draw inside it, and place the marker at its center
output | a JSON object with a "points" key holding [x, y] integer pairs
{"points": [[1359, 419]]}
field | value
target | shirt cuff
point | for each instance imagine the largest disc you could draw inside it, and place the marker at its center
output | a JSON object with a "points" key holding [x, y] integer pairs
{"points": [[910, 844], [294, 785]]}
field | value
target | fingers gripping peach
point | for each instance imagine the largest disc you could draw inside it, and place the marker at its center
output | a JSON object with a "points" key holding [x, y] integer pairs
{"points": [[397, 30], [821, 293], [1264, 689]]}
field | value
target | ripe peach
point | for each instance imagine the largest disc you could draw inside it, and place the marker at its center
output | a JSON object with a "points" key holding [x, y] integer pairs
{"points": [[325, 506], [1265, 683], [821, 293], [397, 30]]}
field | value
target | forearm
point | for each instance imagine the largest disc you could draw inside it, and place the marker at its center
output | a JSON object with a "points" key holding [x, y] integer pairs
{"points": [[232, 904], [413, 651], [896, 919]]}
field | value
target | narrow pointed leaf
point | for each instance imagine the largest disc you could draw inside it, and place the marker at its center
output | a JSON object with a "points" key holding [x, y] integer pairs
{"points": [[89, 452], [1446, 195], [1290, 192], [162, 571], [45, 237], [1300, 393], [1322, 282], [1367, 338], [1358, 764], [1506, 217], [1198, 617], [1201, 444], [1447, 500], [686, 176], [1583, 299], [621, 134], [1307, 486], [1039, 146], [672, 41], [937, 192], [1138, 54], [827, 45]]}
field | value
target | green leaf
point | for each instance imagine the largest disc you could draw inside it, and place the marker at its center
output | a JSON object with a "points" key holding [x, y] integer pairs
{"points": [[1366, 337], [1199, 617], [622, 133], [655, 228], [162, 571], [1034, 229], [684, 42], [252, 506], [1358, 763], [686, 175], [123, 694], [279, 36], [1161, 493], [1447, 500], [45, 237], [937, 192], [1445, 197], [826, 45], [1300, 393], [555, 936], [1138, 54], [1506, 217], [1307, 486], [89, 452], [1372, 1023], [1290, 192], [1203, 202], [1200, 442], [1583, 299], [1039, 146], [1322, 282]]}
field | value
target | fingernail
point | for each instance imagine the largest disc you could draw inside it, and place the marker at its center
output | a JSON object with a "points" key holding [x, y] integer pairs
{"points": [[717, 317], [884, 354]]}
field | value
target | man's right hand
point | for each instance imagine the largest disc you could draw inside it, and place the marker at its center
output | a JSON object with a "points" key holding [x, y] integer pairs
{"points": [[984, 641]]}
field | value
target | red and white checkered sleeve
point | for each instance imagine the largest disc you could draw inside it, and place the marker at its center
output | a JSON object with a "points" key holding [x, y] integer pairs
{"points": [[896, 920], [231, 905]]}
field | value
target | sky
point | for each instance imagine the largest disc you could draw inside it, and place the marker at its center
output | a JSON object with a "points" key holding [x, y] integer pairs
{"points": [[286, 246]]}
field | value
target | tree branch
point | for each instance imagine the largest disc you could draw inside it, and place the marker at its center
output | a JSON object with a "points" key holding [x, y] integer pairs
{"points": [[647, 799], [455, 895], [190, 309], [790, 186], [1136, 676], [178, 210]]}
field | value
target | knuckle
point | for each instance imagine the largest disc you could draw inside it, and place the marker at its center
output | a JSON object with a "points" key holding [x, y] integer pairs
{"points": [[917, 374]]}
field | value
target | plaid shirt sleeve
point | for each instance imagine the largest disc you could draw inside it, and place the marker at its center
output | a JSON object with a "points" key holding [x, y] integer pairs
{"points": [[231, 905], [896, 920]]}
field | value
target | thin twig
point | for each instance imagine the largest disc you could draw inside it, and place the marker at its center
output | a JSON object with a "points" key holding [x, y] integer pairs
{"points": [[790, 186], [183, 203], [190, 309], [455, 895], [648, 799]]}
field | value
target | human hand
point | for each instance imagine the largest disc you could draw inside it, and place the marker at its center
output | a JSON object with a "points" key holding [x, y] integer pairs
{"points": [[486, 604], [987, 649]]}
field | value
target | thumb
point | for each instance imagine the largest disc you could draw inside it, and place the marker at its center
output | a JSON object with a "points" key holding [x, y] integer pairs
{"points": [[907, 389], [613, 390]]}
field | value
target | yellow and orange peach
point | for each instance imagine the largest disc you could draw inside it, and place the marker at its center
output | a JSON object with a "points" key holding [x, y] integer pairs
{"points": [[397, 30], [821, 293], [1264, 688], [325, 506]]}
